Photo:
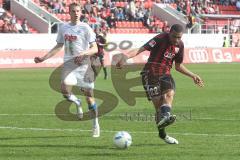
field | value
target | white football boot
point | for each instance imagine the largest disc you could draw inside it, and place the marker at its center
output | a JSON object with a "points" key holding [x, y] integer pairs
{"points": [[96, 131], [170, 140]]}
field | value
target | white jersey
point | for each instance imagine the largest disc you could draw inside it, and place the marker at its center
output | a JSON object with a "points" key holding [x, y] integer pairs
{"points": [[75, 38]]}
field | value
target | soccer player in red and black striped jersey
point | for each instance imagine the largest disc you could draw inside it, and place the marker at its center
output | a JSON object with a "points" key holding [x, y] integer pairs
{"points": [[101, 43], [165, 49]]}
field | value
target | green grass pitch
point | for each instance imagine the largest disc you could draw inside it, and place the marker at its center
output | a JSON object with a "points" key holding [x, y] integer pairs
{"points": [[208, 125]]}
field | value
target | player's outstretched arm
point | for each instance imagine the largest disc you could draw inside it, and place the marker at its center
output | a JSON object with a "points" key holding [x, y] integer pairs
{"points": [[124, 57], [196, 78], [51, 53]]}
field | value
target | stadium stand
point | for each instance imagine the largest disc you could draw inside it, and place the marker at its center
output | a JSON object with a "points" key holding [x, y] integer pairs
{"points": [[11, 23], [134, 16]]}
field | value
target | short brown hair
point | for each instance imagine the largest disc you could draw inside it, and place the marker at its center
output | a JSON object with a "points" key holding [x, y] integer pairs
{"points": [[74, 4]]}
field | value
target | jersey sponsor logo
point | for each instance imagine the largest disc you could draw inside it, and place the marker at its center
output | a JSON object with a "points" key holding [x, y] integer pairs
{"points": [[152, 43], [176, 50], [169, 55], [198, 55], [70, 38]]}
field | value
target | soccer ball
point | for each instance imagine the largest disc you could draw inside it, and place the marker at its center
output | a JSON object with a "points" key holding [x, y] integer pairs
{"points": [[122, 139]]}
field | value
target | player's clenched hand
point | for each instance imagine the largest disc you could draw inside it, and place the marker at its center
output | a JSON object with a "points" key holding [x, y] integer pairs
{"points": [[120, 60], [197, 80], [38, 59]]}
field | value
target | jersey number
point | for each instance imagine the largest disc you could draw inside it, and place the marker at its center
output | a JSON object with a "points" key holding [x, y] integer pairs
{"points": [[153, 91]]}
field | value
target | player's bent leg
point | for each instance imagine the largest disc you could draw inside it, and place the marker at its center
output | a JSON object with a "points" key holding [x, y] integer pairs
{"points": [[66, 91], [101, 58], [105, 72], [165, 118]]}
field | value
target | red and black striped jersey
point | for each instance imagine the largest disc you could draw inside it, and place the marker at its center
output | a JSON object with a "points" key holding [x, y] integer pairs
{"points": [[101, 41], [162, 54]]}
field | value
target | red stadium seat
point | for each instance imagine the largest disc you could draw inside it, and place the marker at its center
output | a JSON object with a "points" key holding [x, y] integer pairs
{"points": [[122, 4], [132, 24], [117, 4]]}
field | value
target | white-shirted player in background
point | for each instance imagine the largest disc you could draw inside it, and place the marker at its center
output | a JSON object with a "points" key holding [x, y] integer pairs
{"points": [[79, 44]]}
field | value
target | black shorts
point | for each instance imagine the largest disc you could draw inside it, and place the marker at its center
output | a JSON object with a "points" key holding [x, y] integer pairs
{"points": [[156, 85]]}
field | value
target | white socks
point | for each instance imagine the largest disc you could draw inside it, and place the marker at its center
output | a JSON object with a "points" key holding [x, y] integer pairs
{"points": [[95, 121], [74, 99]]}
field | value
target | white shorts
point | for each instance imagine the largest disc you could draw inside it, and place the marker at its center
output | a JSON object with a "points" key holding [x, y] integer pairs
{"points": [[81, 76]]}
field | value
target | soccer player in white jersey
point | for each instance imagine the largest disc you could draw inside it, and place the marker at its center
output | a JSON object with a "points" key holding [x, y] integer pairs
{"points": [[79, 44]]}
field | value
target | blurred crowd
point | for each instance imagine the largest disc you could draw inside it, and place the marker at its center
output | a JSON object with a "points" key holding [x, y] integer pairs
{"points": [[9, 23], [105, 14]]}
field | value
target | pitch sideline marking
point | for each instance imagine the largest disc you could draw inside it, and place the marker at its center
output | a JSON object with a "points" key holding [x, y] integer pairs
{"points": [[50, 114], [112, 131]]}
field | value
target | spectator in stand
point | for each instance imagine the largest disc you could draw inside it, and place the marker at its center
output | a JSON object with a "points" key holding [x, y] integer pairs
{"points": [[225, 42], [8, 27], [100, 4], [216, 8], [151, 27], [198, 8], [120, 15], [104, 13], [210, 9], [18, 26], [126, 10], [84, 18], [113, 7], [189, 21], [237, 43], [57, 6], [165, 27], [88, 7], [6, 15], [232, 2], [1, 10], [147, 17], [156, 29], [111, 21], [25, 26], [149, 22], [94, 9], [238, 5], [141, 5], [95, 20], [132, 10], [104, 27], [13, 19], [140, 15], [92, 21]]}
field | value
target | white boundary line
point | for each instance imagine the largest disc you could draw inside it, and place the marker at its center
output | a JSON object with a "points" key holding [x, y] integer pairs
{"points": [[51, 114], [112, 131]]}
